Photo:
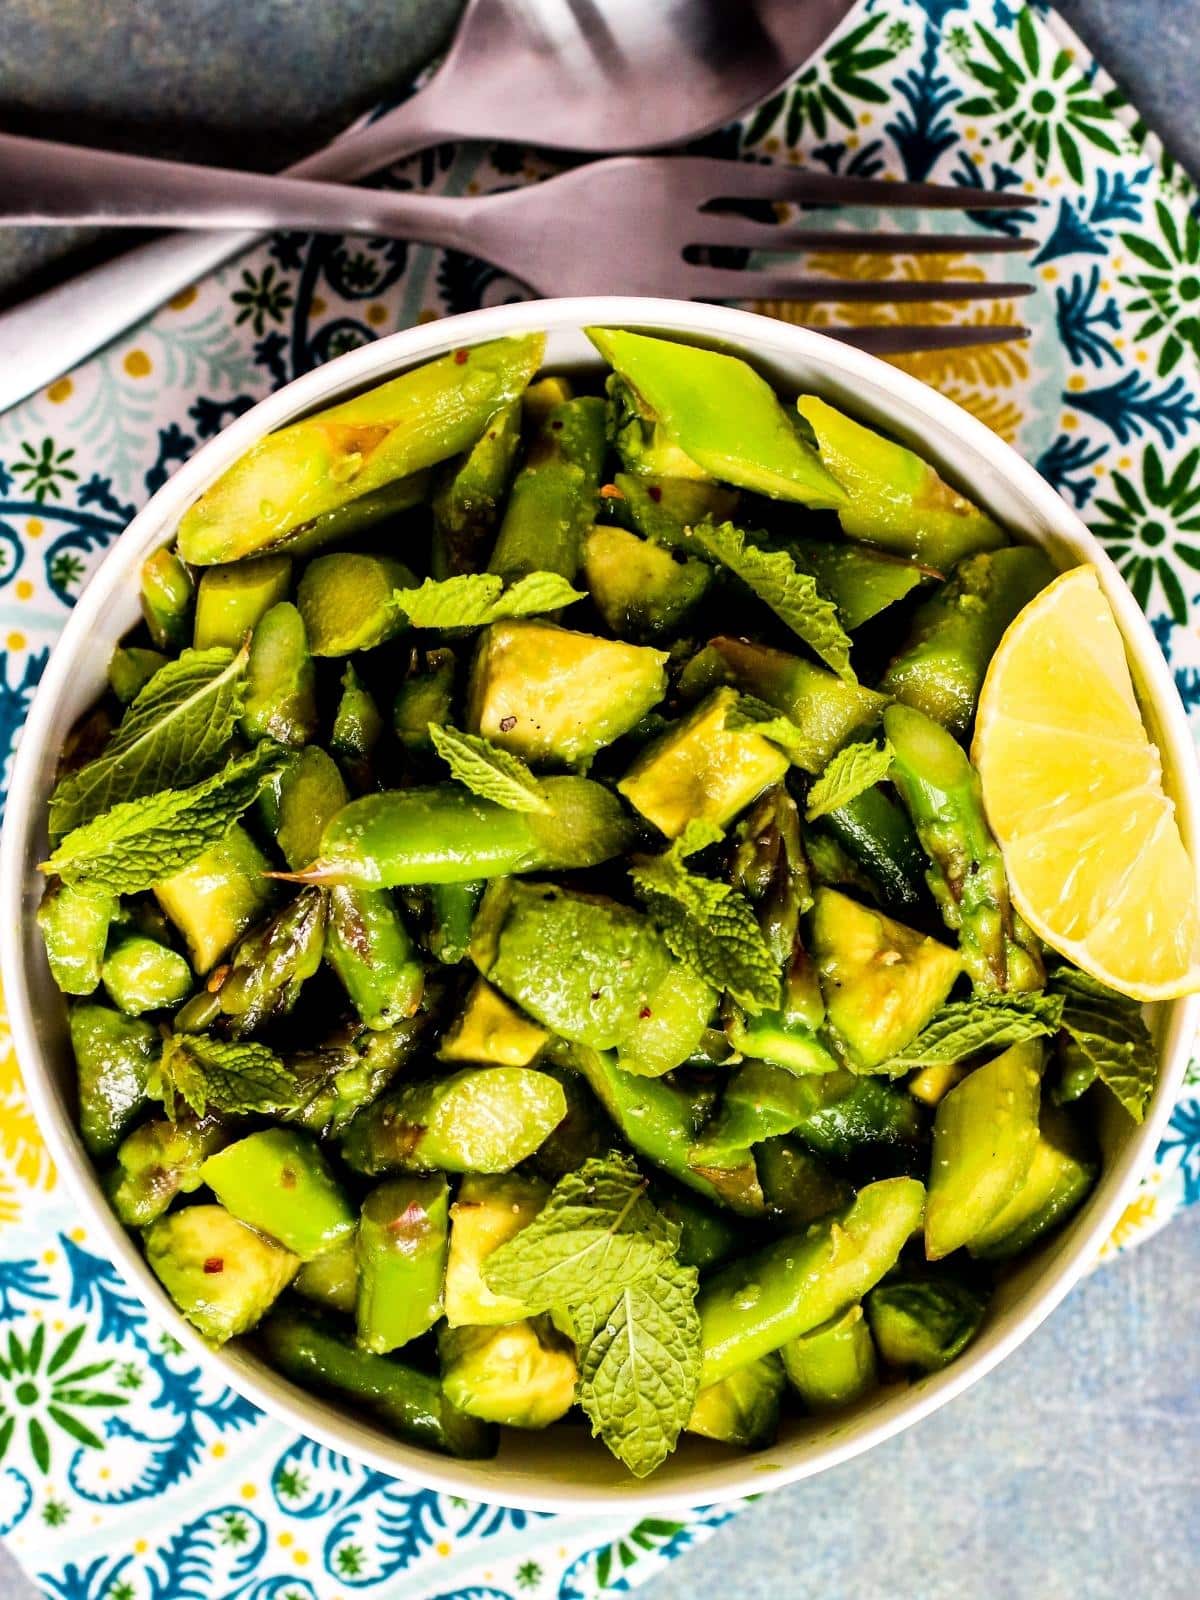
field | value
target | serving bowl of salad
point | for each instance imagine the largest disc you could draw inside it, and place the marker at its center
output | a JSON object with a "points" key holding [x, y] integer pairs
{"points": [[599, 903]]}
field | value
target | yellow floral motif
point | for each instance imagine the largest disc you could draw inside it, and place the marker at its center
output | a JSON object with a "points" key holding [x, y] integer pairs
{"points": [[970, 377], [1137, 1217], [21, 1147]]}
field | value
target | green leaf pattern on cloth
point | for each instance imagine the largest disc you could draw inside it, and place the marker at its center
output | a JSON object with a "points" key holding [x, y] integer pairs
{"points": [[190, 1488]]}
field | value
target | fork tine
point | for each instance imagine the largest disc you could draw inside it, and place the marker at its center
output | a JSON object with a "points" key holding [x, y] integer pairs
{"points": [[721, 283], [741, 180], [715, 229], [912, 339]]}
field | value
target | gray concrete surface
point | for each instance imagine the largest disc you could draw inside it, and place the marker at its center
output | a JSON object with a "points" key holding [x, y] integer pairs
{"points": [[1071, 1473]]}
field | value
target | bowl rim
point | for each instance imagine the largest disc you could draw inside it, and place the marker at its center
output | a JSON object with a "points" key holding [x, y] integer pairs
{"points": [[758, 337]]}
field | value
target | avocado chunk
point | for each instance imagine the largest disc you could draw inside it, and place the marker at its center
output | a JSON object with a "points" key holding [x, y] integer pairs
{"points": [[641, 590], [622, 988], [665, 510], [1061, 1174], [522, 1374], [300, 801], [488, 1212], [401, 1261], [743, 1408], [551, 695], [222, 1275], [114, 1055], [74, 921], [232, 600], [923, 1323], [828, 712], [331, 1279], [141, 975], [701, 771], [882, 981], [492, 1032], [834, 1365], [482, 1119], [347, 601], [279, 1182], [216, 898], [159, 1160], [985, 1133]]}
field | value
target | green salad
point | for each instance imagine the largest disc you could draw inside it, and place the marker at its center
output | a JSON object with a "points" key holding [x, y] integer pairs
{"points": [[535, 946]]}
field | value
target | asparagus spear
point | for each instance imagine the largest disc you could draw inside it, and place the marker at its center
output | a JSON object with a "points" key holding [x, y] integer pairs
{"points": [[955, 633], [467, 504], [443, 834], [553, 498], [966, 874], [343, 458]]}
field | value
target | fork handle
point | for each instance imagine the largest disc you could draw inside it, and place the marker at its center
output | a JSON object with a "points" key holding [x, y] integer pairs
{"points": [[52, 332], [42, 182]]}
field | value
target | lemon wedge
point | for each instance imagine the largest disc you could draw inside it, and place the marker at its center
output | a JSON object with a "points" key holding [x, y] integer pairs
{"points": [[1073, 790]]}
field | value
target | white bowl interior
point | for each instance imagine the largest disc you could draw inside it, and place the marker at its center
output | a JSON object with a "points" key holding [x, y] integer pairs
{"points": [[560, 1470]]}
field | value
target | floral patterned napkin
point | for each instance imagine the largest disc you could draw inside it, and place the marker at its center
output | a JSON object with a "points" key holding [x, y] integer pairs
{"points": [[124, 1473]]}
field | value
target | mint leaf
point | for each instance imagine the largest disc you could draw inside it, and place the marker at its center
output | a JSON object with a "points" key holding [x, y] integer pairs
{"points": [[209, 1075], [852, 771], [749, 712], [599, 1255], [174, 733], [792, 595], [488, 771], [140, 842], [1107, 1030], [596, 1234], [475, 599], [988, 1022], [709, 925], [640, 1367]]}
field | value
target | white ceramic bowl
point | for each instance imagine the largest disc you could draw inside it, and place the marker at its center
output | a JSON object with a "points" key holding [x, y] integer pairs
{"points": [[561, 1470]]}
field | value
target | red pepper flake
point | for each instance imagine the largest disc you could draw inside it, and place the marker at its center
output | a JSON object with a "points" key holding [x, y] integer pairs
{"points": [[460, 356], [214, 1264], [609, 491], [655, 493], [287, 1178], [507, 724], [645, 1013], [595, 994]]}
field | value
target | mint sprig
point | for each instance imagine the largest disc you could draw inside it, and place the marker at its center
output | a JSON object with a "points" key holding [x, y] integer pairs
{"points": [[792, 595], [749, 713], [488, 771], [597, 1233], [851, 772], [993, 1022], [602, 1258], [640, 1366], [208, 1074], [174, 733], [476, 599], [709, 925], [1107, 1030], [140, 842]]}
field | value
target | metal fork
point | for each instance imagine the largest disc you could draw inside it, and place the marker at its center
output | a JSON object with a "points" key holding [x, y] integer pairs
{"points": [[631, 223]]}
